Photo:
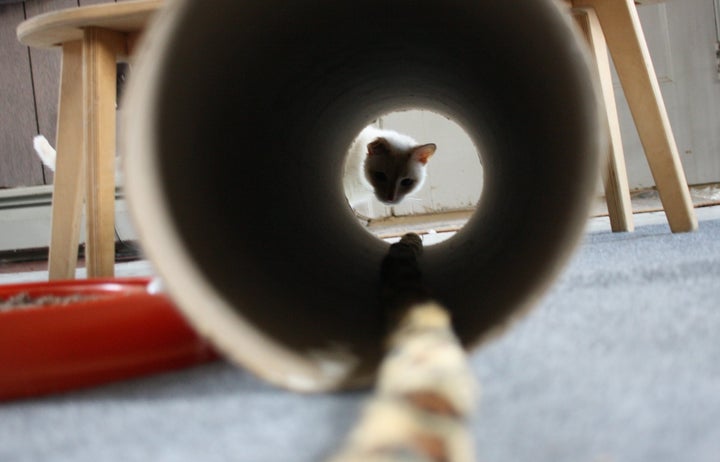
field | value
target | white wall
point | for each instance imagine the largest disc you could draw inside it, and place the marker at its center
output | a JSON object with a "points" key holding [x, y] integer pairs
{"points": [[682, 38]]}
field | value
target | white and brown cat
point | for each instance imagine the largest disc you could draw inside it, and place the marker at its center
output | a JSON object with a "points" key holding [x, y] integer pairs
{"points": [[385, 164]]}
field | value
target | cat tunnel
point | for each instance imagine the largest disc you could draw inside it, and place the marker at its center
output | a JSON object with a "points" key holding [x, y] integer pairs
{"points": [[238, 119]]}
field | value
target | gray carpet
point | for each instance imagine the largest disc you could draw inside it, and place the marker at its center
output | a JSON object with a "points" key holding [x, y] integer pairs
{"points": [[620, 362]]}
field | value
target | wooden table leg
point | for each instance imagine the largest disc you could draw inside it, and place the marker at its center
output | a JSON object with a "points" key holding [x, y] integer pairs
{"points": [[617, 190], [67, 200], [100, 50], [625, 39]]}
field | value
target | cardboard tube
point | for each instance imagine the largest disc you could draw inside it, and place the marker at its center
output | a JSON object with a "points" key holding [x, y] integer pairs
{"points": [[238, 119]]}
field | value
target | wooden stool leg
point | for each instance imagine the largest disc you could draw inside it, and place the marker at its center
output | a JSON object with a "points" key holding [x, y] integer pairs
{"points": [[67, 200], [617, 190], [100, 49], [625, 39]]}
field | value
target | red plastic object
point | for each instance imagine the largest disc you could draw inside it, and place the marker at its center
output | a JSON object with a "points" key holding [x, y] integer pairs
{"points": [[121, 332]]}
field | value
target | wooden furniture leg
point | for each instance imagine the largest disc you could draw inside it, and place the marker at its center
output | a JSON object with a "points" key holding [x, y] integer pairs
{"points": [[625, 39], [67, 199], [93, 38], [100, 50], [617, 190]]}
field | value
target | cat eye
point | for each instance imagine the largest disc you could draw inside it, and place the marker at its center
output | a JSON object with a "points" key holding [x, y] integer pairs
{"points": [[407, 182], [379, 177]]}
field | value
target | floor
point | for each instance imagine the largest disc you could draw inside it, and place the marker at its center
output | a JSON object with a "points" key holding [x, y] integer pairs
{"points": [[617, 363]]}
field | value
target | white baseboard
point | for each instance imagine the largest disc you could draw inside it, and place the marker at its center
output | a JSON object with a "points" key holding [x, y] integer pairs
{"points": [[25, 218]]}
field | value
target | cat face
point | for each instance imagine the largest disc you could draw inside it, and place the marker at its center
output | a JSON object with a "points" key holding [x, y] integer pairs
{"points": [[394, 172]]}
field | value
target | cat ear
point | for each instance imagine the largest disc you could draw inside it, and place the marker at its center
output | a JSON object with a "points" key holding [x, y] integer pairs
{"points": [[378, 147], [423, 153]]}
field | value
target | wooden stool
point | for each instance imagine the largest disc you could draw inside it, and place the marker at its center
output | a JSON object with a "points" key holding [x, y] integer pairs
{"points": [[614, 25], [93, 39]]}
